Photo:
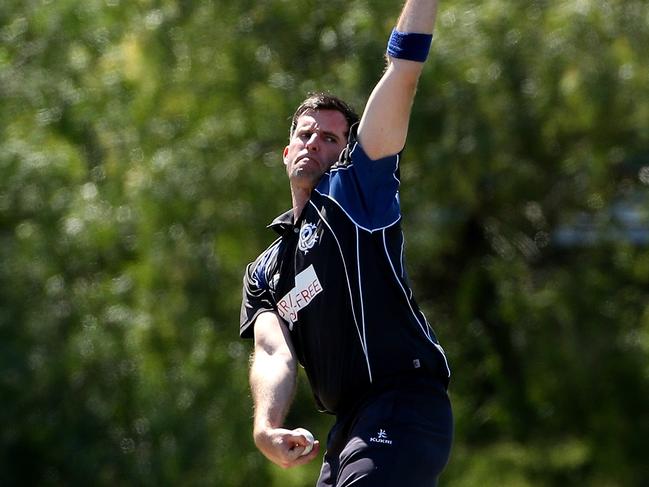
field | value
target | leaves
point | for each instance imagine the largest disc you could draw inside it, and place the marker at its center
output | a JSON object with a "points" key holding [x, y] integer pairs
{"points": [[140, 161]]}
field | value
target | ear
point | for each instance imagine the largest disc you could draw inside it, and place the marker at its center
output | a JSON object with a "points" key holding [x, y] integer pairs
{"points": [[284, 154]]}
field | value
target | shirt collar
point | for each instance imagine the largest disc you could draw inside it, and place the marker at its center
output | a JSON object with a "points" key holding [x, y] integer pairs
{"points": [[283, 222]]}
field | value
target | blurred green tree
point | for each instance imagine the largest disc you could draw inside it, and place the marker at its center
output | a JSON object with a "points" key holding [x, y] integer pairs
{"points": [[140, 161]]}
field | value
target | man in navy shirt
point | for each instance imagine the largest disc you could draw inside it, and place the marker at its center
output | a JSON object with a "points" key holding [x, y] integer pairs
{"points": [[332, 294]]}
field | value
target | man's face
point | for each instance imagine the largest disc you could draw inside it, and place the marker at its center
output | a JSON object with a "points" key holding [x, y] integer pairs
{"points": [[316, 143]]}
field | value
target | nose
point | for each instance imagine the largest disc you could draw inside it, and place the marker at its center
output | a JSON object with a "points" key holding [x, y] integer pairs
{"points": [[313, 144]]}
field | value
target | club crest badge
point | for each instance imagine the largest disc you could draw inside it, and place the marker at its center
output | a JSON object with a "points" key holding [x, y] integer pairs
{"points": [[308, 237]]}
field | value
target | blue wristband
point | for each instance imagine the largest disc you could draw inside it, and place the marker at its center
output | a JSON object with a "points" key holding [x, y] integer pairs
{"points": [[409, 45]]}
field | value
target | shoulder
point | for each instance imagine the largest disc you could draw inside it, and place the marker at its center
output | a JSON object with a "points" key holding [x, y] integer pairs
{"points": [[355, 154], [261, 270]]}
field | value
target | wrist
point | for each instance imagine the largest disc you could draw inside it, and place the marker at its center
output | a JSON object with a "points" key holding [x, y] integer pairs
{"points": [[262, 429], [409, 45], [261, 437]]}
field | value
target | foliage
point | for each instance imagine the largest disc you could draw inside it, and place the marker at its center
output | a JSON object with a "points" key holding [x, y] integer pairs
{"points": [[139, 164]]}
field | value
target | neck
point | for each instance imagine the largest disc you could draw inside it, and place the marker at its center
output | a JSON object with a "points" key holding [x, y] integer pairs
{"points": [[299, 196]]}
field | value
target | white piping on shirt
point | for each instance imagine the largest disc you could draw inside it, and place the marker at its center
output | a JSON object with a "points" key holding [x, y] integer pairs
{"points": [[360, 294], [355, 480], [369, 230], [394, 175], [349, 288], [425, 329], [403, 262]]}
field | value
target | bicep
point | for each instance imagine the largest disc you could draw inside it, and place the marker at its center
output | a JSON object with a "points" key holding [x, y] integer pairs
{"points": [[272, 337], [384, 124]]}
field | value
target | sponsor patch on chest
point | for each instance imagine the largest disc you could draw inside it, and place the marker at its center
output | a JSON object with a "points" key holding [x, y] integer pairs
{"points": [[307, 287]]}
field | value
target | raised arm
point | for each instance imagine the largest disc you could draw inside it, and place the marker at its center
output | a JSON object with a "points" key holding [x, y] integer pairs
{"points": [[384, 124], [273, 376]]}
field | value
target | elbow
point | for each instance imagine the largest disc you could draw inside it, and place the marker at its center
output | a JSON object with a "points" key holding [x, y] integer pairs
{"points": [[408, 72]]}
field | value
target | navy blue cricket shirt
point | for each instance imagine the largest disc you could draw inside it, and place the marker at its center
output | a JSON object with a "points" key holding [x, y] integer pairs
{"points": [[337, 278]]}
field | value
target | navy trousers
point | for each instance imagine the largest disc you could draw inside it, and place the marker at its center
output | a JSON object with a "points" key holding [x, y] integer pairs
{"points": [[399, 437]]}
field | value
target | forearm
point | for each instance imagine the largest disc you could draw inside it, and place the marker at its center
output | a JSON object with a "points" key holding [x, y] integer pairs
{"points": [[418, 16], [384, 125], [273, 375], [272, 381]]}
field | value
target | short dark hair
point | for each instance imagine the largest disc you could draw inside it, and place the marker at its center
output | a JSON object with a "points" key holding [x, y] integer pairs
{"points": [[324, 101]]}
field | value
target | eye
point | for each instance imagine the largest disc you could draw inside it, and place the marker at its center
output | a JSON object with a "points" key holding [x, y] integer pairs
{"points": [[329, 138], [305, 135]]}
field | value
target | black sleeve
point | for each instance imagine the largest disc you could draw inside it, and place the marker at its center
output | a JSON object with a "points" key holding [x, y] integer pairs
{"points": [[257, 296]]}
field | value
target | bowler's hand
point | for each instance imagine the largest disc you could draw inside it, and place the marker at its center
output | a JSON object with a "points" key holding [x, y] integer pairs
{"points": [[284, 447]]}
